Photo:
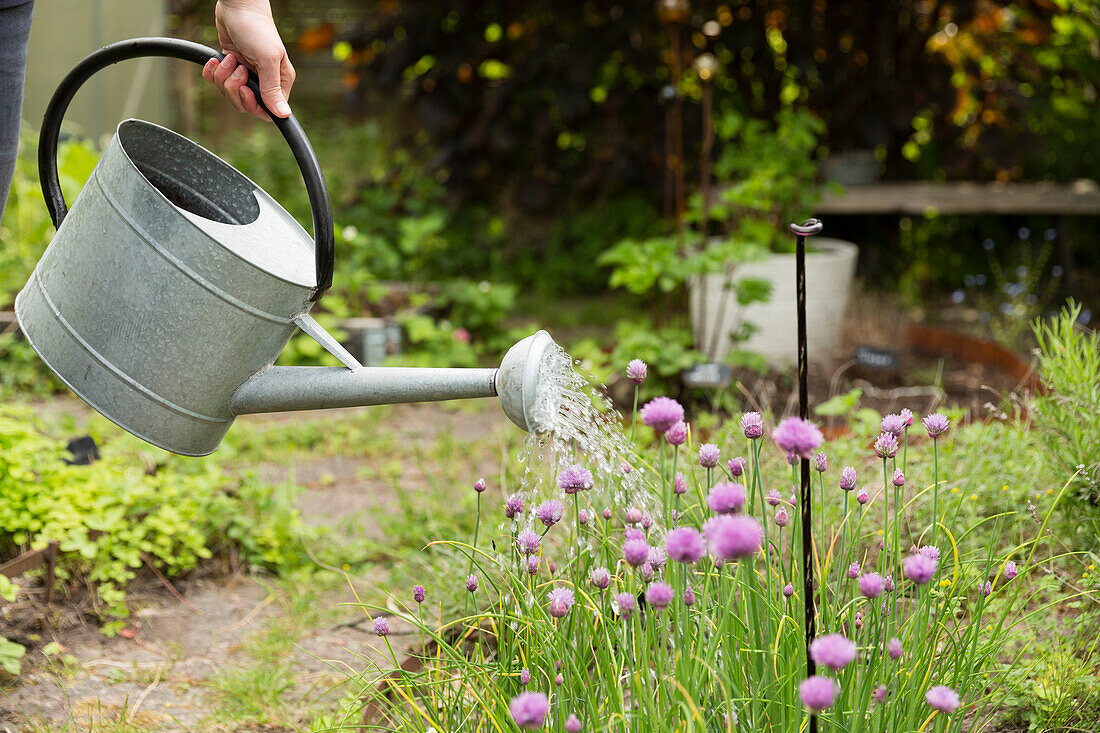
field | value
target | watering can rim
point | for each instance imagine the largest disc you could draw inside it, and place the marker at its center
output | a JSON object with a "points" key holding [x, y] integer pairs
{"points": [[308, 279]]}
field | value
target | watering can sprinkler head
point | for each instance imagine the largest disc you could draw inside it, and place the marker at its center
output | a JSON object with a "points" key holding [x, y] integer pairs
{"points": [[518, 379]]}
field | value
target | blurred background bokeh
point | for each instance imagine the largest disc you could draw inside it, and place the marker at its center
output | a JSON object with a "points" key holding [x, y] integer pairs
{"points": [[583, 165]]}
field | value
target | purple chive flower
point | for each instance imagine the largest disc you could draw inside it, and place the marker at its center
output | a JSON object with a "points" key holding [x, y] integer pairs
{"points": [[792, 457], [561, 600], [880, 693], [821, 463], [942, 698], [930, 551], [726, 498], [626, 605], [529, 709], [781, 518], [679, 485], [513, 506], [888, 583], [582, 517], [636, 371], [606, 514], [689, 597], [633, 533], [633, 515], [572, 724], [524, 676], [419, 594], [381, 626], [1010, 570], [552, 567], [559, 680], [708, 455], [936, 425], [574, 478], [677, 434], [533, 565], [662, 413], [848, 478], [736, 466], [853, 570], [625, 468], [647, 572], [886, 446], [920, 568], [788, 590], [733, 536], [658, 558], [817, 693], [685, 544], [599, 578], [647, 521], [798, 436], [833, 651], [773, 498], [985, 589], [528, 542], [899, 478], [479, 485], [752, 424], [862, 497], [859, 620], [659, 595], [893, 424], [636, 552], [907, 416], [471, 583], [871, 585], [549, 512], [893, 648]]}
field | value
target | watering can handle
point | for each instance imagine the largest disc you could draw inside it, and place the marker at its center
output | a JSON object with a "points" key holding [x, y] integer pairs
{"points": [[188, 51]]}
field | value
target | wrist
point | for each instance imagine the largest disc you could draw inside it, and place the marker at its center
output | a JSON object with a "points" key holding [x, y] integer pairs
{"points": [[256, 6]]}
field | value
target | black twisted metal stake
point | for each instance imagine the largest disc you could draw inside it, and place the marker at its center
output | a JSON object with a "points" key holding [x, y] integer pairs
{"points": [[805, 229]]}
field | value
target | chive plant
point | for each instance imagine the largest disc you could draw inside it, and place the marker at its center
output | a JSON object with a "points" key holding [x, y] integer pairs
{"points": [[692, 620]]}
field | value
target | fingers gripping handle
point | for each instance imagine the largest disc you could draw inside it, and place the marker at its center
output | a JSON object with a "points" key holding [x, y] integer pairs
{"points": [[196, 52]]}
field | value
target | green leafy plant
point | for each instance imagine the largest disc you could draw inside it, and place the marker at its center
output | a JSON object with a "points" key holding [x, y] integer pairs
{"points": [[10, 652], [111, 518], [1067, 414], [765, 176]]}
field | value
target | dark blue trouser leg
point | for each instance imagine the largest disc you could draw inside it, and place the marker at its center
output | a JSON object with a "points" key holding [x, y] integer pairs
{"points": [[15, 28]]}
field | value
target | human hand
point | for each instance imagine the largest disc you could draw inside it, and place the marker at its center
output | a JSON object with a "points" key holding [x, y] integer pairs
{"points": [[249, 40]]}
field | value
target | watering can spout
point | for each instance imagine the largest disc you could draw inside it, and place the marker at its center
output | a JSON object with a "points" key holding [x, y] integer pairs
{"points": [[278, 389]]}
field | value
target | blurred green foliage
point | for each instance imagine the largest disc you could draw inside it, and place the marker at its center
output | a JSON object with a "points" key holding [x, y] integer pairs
{"points": [[1067, 415]]}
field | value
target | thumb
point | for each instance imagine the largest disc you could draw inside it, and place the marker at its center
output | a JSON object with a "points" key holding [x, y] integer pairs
{"points": [[271, 89]]}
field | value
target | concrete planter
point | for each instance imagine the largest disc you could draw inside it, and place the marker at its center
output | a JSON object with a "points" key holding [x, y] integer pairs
{"points": [[830, 269]]}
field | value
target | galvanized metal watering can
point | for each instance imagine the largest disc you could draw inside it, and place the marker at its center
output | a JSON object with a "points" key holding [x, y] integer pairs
{"points": [[174, 282]]}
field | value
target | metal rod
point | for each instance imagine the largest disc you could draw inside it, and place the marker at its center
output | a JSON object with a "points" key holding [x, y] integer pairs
{"points": [[314, 388], [807, 228]]}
